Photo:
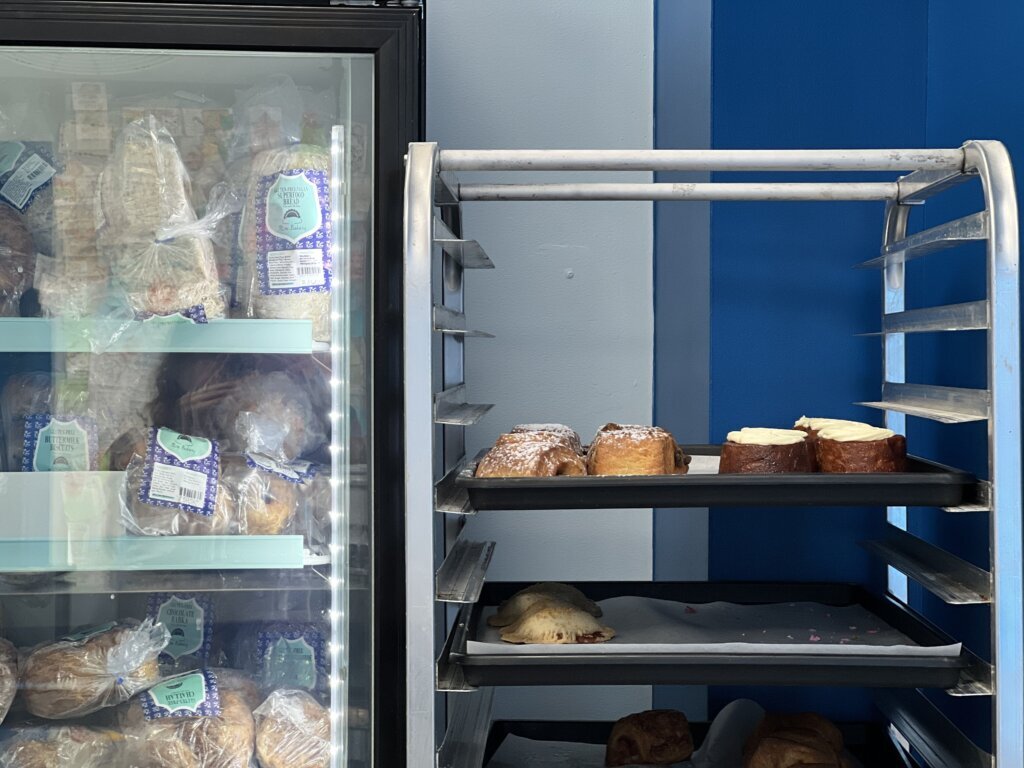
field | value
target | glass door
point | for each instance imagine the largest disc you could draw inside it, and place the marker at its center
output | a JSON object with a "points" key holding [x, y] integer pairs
{"points": [[186, 281]]}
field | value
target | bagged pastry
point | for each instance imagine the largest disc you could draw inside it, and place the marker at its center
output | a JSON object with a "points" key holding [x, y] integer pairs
{"points": [[23, 394], [510, 610], [27, 169], [287, 236], [17, 261], [70, 746], [292, 731], [92, 669], [264, 493], [8, 676], [196, 720], [553, 622]]}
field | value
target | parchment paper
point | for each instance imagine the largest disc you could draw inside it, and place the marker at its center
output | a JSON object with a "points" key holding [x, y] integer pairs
{"points": [[703, 465], [647, 625], [722, 748]]}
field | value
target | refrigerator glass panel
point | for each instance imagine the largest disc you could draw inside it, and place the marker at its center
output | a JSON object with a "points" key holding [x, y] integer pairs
{"points": [[185, 315]]}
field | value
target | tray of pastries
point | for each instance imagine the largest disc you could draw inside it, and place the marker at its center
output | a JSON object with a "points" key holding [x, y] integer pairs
{"points": [[623, 633], [816, 462]]}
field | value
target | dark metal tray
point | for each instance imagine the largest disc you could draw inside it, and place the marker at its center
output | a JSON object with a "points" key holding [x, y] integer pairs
{"points": [[925, 484], [712, 669], [868, 742]]}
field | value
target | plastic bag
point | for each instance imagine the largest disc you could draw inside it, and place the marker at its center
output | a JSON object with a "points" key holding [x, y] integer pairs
{"points": [[27, 169], [92, 669], [23, 394], [264, 493], [292, 731], [66, 746], [17, 261], [8, 676], [266, 116], [200, 719]]}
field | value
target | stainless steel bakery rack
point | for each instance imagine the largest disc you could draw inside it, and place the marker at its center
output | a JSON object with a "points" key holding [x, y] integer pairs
{"points": [[451, 730]]}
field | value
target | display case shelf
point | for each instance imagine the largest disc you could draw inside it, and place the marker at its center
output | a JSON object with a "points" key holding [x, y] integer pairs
{"points": [[30, 334]]}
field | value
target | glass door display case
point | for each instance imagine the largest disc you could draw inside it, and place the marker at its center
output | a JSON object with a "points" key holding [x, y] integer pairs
{"points": [[193, 205]]}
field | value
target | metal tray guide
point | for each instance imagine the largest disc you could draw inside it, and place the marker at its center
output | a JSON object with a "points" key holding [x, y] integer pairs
{"points": [[437, 408]]}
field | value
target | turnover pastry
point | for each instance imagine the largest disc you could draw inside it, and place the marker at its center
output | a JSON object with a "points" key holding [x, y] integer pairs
{"points": [[654, 737], [523, 600], [531, 454], [559, 430], [553, 622], [630, 449], [794, 741], [861, 448], [760, 450]]}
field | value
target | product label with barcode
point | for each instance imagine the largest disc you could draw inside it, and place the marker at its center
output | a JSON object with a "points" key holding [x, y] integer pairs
{"points": [[181, 471], [59, 444], [32, 174], [190, 695], [293, 239]]}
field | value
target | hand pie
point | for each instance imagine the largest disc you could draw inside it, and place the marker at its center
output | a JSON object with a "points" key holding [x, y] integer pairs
{"points": [[523, 600], [552, 622]]}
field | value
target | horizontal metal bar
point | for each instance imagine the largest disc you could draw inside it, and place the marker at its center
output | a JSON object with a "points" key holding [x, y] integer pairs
{"points": [[949, 235], [469, 725], [450, 498], [461, 576], [982, 502], [939, 742], [468, 253], [450, 407], [451, 322], [950, 405], [450, 677], [969, 316], [920, 185], [955, 581], [975, 678], [445, 185], [795, 191], [700, 159]]}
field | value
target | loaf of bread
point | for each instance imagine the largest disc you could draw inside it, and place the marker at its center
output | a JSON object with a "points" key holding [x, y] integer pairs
{"points": [[97, 668], [794, 741], [630, 449], [510, 610], [760, 450], [654, 737], [292, 731], [861, 448], [8, 676], [553, 622], [73, 746], [531, 454]]}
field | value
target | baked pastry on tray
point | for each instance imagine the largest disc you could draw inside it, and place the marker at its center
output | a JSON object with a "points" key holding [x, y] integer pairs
{"points": [[654, 737], [559, 430], [632, 449], [553, 622], [510, 610], [795, 741], [761, 450], [531, 454], [861, 448]]}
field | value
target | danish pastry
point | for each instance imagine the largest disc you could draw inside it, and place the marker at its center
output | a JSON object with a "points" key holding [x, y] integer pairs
{"points": [[793, 741], [530, 454], [655, 737], [629, 449], [560, 430], [760, 450]]}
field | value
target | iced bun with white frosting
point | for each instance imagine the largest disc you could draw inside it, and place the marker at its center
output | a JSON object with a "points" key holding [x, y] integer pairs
{"points": [[762, 450]]}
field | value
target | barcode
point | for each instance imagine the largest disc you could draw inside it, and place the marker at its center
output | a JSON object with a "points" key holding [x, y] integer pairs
{"points": [[310, 270], [191, 495], [36, 172]]}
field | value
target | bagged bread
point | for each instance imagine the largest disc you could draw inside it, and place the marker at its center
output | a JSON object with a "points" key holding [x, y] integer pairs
{"points": [[27, 169], [287, 236], [17, 261], [23, 394], [65, 746], [292, 731], [92, 669], [264, 493], [8, 676], [194, 720]]}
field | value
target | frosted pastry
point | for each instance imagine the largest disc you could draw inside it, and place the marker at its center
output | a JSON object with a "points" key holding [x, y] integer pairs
{"points": [[529, 454], [559, 430], [654, 737], [815, 425], [523, 600], [552, 622], [761, 450], [861, 448], [630, 449], [292, 731]]}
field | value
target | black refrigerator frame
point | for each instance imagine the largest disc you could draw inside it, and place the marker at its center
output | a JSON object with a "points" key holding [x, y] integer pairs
{"points": [[395, 37]]}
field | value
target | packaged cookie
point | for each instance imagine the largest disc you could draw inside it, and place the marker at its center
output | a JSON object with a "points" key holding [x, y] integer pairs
{"points": [[94, 668]]}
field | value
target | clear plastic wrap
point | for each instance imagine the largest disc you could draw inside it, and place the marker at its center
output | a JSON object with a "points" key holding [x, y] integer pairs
{"points": [[264, 494], [93, 669], [207, 724], [65, 746], [27, 169], [17, 261], [8, 676], [292, 731], [286, 237], [283, 654], [267, 116], [23, 394]]}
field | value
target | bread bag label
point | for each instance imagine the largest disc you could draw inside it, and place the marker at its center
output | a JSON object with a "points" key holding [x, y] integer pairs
{"points": [[189, 619], [195, 315], [88, 97], [293, 240], [292, 657], [59, 444], [10, 151], [23, 177], [82, 635], [190, 695], [295, 471], [181, 471]]}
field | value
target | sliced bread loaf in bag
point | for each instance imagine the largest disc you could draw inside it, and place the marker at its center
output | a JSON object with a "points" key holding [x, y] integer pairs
{"points": [[286, 236]]}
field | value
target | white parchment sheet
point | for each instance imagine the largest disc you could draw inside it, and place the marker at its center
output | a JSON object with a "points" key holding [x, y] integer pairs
{"points": [[722, 748], [648, 625]]}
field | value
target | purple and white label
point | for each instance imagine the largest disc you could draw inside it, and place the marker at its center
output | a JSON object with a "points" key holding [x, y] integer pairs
{"points": [[59, 444], [294, 471], [195, 315], [194, 694], [181, 471], [293, 232]]}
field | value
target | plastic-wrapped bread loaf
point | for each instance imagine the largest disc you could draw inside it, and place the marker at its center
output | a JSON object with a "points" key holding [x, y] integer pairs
{"points": [[49, 746], [8, 676], [286, 236], [292, 731], [17, 261], [23, 394]]}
